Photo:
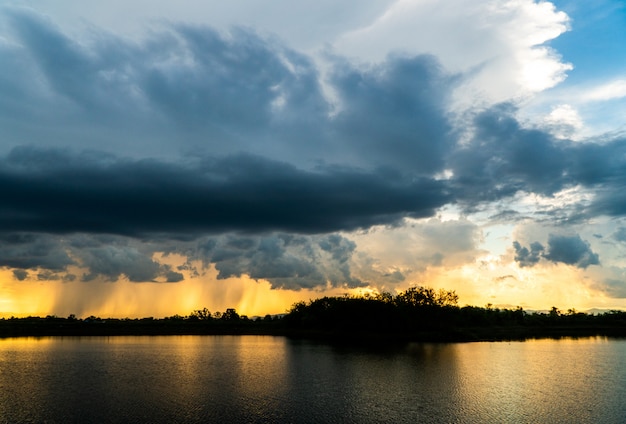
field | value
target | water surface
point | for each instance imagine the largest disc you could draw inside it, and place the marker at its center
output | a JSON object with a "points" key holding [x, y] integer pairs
{"points": [[193, 379]]}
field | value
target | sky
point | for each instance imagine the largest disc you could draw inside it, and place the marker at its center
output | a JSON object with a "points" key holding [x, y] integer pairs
{"points": [[160, 157]]}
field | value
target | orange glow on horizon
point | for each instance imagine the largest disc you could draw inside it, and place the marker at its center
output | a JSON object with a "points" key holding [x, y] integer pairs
{"points": [[125, 299], [490, 280]]}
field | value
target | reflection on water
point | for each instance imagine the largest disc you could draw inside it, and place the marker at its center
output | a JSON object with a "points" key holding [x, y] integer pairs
{"points": [[544, 380], [272, 379]]}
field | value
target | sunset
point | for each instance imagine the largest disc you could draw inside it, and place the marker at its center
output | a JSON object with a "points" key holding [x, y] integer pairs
{"points": [[295, 211], [158, 159]]}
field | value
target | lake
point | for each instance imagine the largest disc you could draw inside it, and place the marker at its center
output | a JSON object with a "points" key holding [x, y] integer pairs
{"points": [[258, 379]]}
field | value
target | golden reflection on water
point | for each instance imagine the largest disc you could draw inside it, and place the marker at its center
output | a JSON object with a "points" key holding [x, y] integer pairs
{"points": [[273, 379], [193, 377], [520, 380]]}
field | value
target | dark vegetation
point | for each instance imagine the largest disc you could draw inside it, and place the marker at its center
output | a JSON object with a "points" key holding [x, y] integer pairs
{"points": [[417, 314]]}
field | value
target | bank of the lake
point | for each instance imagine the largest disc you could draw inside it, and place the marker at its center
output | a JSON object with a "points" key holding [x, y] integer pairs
{"points": [[54, 326]]}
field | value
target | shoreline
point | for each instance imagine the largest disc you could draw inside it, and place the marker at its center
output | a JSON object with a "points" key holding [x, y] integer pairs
{"points": [[24, 328]]}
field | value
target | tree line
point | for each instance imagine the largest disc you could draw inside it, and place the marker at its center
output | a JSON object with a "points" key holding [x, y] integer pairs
{"points": [[422, 313]]}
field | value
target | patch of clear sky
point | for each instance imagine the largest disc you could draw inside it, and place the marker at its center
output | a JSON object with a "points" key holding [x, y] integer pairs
{"points": [[596, 43]]}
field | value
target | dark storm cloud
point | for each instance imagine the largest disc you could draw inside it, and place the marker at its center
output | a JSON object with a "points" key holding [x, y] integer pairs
{"points": [[60, 192], [507, 215], [503, 158], [29, 251], [609, 199], [395, 112], [570, 250], [285, 260], [105, 257], [111, 262], [46, 275], [173, 276], [602, 166], [20, 274], [599, 163], [528, 257]]}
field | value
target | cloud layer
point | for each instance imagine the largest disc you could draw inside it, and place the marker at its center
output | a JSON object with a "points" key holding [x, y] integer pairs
{"points": [[58, 192], [238, 151]]}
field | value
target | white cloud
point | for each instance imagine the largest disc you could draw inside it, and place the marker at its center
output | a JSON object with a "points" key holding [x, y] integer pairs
{"points": [[416, 246], [564, 122], [590, 108], [498, 43], [613, 90]]}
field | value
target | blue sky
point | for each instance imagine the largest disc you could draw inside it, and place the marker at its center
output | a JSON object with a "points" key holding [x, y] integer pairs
{"points": [[595, 42], [594, 45], [157, 158]]}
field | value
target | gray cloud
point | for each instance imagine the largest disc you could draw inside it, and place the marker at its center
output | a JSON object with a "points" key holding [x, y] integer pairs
{"points": [[20, 274], [239, 81], [46, 275], [612, 288], [503, 158], [110, 258], [190, 89], [286, 261], [620, 235], [528, 257], [570, 250], [173, 276], [30, 251], [105, 257], [183, 88], [59, 192], [395, 113], [111, 262]]}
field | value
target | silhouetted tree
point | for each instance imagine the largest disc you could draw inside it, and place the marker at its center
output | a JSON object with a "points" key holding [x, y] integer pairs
{"points": [[201, 314], [230, 315], [426, 296]]}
